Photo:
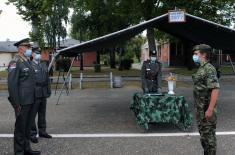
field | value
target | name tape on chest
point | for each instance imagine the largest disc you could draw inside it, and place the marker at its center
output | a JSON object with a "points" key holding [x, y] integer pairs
{"points": [[26, 69]]}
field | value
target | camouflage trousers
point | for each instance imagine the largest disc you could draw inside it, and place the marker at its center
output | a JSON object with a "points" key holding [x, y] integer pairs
{"points": [[207, 131]]}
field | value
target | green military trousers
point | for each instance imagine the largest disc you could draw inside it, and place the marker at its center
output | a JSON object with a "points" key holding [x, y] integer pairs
{"points": [[206, 128]]}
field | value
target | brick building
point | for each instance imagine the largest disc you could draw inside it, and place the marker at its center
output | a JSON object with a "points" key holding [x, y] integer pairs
{"points": [[177, 53], [89, 58]]}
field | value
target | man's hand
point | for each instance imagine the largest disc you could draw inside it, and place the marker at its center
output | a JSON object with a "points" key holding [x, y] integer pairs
{"points": [[146, 90], [17, 110], [214, 96], [208, 114]]}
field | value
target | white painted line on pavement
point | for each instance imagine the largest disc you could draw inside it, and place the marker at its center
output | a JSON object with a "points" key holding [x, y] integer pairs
{"points": [[122, 135]]}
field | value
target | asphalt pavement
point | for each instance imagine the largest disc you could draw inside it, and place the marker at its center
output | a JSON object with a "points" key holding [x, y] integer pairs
{"points": [[106, 111]]}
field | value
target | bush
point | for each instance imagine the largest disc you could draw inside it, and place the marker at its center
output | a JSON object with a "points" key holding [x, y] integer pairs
{"points": [[126, 64], [97, 68]]}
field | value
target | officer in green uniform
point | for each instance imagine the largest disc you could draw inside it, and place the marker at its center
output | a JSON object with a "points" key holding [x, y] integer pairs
{"points": [[206, 91], [151, 74], [42, 92], [21, 86]]}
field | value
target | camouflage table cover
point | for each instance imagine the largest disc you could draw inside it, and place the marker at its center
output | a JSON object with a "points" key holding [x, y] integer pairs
{"points": [[161, 109]]}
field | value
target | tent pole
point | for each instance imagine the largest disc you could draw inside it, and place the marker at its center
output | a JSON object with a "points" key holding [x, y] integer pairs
{"points": [[61, 90], [53, 60], [57, 82], [66, 85], [231, 64]]}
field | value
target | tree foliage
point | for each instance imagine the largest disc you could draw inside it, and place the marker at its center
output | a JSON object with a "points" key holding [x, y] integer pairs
{"points": [[94, 18], [47, 17]]}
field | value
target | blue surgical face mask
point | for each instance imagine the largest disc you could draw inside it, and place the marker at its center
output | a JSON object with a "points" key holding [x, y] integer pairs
{"points": [[196, 59], [28, 53], [37, 57]]}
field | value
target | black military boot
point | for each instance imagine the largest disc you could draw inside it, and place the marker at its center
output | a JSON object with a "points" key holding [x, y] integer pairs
{"points": [[211, 152], [34, 139], [32, 152], [44, 135]]}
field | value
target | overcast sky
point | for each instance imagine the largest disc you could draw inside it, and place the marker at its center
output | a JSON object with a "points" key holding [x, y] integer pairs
{"points": [[12, 26]]}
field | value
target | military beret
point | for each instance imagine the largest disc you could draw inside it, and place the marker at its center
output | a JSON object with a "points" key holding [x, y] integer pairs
{"points": [[152, 52], [23, 42], [202, 48]]}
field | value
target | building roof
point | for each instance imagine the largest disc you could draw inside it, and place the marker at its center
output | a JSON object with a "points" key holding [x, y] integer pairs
{"points": [[195, 29], [8, 47], [68, 43]]}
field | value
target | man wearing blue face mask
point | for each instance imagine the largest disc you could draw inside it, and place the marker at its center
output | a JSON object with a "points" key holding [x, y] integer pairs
{"points": [[151, 74], [21, 88], [206, 91], [42, 91]]}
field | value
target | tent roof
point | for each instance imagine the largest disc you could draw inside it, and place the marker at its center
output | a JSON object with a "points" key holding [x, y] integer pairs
{"points": [[195, 29]]}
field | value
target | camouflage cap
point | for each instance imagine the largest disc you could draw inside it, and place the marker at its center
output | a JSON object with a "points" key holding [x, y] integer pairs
{"points": [[203, 48], [23, 42]]}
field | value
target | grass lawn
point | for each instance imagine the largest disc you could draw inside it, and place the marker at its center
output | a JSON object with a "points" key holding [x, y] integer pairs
{"points": [[88, 71], [3, 74]]}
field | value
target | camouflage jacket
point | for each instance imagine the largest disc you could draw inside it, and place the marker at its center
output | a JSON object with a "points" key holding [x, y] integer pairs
{"points": [[205, 79]]}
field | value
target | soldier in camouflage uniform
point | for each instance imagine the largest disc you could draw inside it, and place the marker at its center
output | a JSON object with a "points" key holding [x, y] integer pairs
{"points": [[206, 90], [151, 74]]}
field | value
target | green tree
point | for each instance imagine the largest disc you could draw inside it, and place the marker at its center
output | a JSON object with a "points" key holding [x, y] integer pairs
{"points": [[56, 21], [216, 10], [47, 18], [96, 18], [102, 17]]}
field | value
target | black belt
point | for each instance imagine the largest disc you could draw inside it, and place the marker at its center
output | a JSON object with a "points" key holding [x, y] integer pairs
{"points": [[42, 84], [149, 78]]}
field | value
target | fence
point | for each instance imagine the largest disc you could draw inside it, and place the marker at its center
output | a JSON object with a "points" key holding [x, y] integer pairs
{"points": [[96, 78]]}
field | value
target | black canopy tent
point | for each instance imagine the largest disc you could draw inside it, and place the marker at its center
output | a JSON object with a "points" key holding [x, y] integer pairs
{"points": [[195, 29]]}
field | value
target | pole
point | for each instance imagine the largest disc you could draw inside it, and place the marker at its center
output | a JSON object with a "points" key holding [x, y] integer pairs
{"points": [[81, 78], [70, 81], [57, 82], [111, 80], [67, 76], [81, 61], [66, 84], [231, 64]]}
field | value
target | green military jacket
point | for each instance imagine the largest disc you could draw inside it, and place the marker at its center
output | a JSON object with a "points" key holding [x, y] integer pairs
{"points": [[205, 79], [42, 89], [21, 82]]}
